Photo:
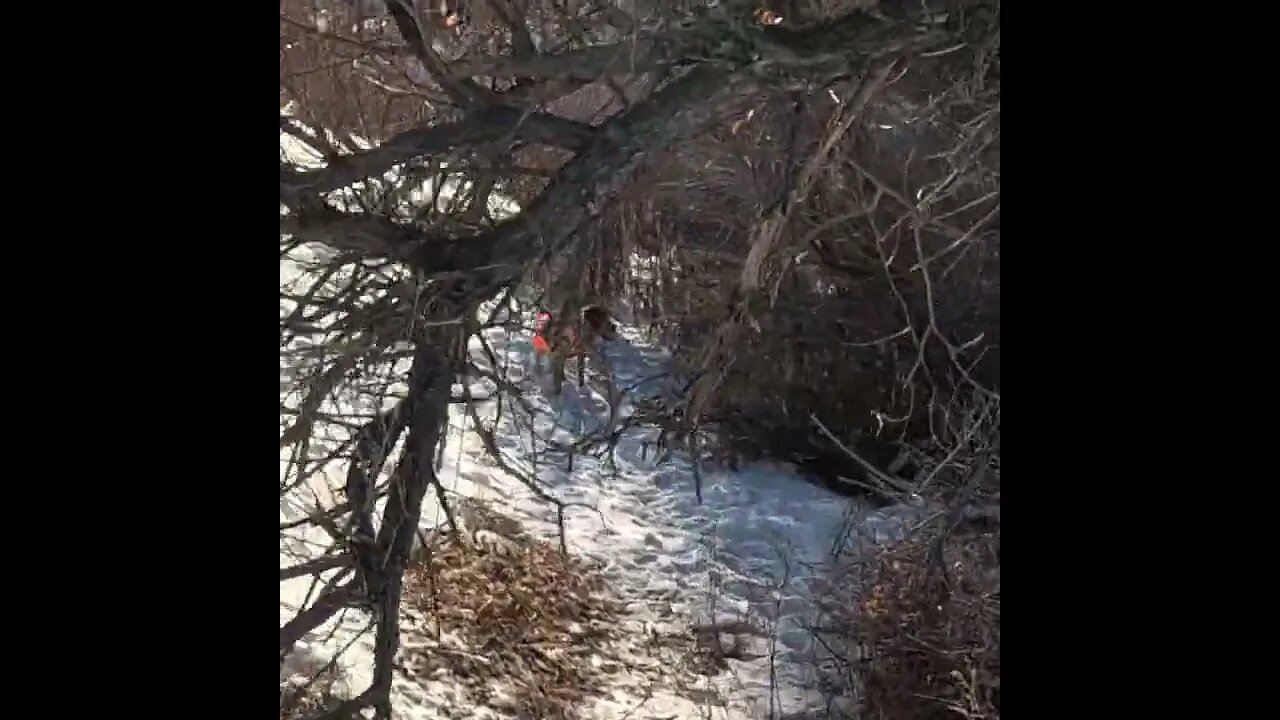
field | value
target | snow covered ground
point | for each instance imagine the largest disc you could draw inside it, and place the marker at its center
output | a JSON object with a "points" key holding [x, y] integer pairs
{"points": [[677, 563]]}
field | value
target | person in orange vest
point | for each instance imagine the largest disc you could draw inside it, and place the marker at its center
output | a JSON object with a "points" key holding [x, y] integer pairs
{"points": [[541, 324]]}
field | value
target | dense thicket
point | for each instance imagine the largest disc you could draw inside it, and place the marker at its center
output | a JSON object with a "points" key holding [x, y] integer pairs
{"points": [[806, 212]]}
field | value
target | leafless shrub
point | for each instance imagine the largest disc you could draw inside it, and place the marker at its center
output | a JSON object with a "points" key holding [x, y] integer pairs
{"points": [[312, 687], [318, 698], [342, 69], [909, 620], [834, 254], [922, 639]]}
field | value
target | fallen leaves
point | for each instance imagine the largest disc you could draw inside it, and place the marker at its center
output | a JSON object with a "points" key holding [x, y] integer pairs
{"points": [[523, 628]]}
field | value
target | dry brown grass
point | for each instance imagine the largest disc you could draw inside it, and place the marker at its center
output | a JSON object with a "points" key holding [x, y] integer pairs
{"points": [[523, 616], [921, 643]]}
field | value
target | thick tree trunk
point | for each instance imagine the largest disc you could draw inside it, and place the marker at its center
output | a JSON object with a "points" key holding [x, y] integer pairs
{"points": [[429, 381]]}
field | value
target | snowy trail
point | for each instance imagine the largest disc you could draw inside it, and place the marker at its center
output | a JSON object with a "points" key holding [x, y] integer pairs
{"points": [[676, 563]]}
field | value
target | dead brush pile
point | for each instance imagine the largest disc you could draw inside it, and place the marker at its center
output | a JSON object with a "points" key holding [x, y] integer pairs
{"points": [[305, 699], [923, 642], [520, 626]]}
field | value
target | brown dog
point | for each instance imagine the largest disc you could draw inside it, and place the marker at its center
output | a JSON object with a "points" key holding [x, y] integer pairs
{"points": [[563, 340]]}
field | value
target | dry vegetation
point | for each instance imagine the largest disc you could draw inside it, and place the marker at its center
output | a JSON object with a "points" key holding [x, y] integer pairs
{"points": [[526, 629], [316, 688], [873, 294], [309, 700], [923, 640], [520, 615]]}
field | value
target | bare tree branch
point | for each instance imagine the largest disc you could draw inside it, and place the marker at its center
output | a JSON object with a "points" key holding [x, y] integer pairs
{"points": [[511, 15], [362, 233], [372, 444], [325, 607], [838, 44], [320, 389], [429, 387], [315, 566], [588, 64], [683, 109], [489, 124], [465, 93]]}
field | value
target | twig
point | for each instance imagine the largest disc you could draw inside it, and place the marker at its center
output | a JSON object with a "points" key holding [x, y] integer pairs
{"points": [[325, 607], [315, 566], [875, 473]]}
